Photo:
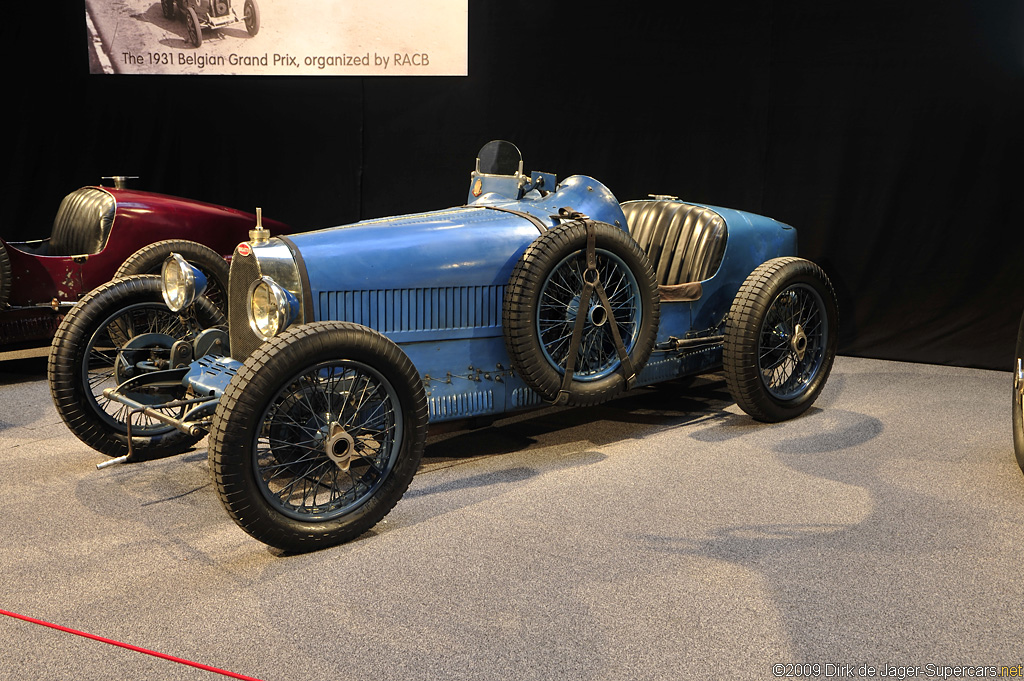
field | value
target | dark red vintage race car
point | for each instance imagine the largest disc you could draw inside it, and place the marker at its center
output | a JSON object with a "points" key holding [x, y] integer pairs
{"points": [[100, 233]]}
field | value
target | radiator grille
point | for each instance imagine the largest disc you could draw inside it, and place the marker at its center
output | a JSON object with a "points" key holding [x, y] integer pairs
{"points": [[244, 271], [390, 311]]}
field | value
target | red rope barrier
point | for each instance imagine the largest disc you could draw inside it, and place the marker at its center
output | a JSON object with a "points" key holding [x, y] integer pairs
{"points": [[128, 646]]}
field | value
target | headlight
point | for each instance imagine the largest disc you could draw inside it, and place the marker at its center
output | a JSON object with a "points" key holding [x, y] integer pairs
{"points": [[271, 307], [181, 283]]}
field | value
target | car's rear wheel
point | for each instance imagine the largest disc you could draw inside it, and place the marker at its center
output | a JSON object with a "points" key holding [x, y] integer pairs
{"points": [[544, 299], [116, 332], [318, 435], [150, 259], [168, 8], [780, 339]]}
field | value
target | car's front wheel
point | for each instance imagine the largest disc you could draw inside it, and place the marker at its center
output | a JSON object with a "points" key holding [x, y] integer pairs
{"points": [[318, 435], [251, 15], [193, 27]]}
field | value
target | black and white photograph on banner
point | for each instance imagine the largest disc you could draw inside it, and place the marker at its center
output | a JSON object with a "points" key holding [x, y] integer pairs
{"points": [[274, 37]]}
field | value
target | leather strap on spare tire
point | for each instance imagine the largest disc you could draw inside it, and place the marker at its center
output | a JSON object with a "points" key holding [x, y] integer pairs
{"points": [[581, 313], [592, 285]]}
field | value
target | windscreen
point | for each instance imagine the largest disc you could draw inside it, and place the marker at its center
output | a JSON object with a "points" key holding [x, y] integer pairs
{"points": [[499, 158]]}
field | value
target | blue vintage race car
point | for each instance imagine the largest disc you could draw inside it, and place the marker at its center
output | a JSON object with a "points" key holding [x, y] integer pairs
{"points": [[342, 345]]}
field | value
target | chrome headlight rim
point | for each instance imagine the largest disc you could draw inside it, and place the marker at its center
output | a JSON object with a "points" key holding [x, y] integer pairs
{"points": [[281, 307], [178, 283]]}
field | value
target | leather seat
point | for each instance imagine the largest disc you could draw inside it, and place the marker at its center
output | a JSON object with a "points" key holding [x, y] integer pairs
{"points": [[83, 222], [684, 243]]}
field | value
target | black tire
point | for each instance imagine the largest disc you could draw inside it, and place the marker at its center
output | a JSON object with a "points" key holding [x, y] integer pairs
{"points": [[85, 359], [150, 259], [1018, 396], [251, 15], [193, 27], [287, 407], [5, 276], [780, 339], [538, 312], [168, 8]]}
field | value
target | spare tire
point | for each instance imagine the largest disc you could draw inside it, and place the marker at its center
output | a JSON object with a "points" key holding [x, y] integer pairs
{"points": [[540, 310]]}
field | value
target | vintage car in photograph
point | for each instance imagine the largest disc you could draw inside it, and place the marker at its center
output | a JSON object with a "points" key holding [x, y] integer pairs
{"points": [[343, 344], [211, 14], [101, 232]]}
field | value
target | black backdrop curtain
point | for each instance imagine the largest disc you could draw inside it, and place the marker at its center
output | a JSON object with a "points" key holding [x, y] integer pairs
{"points": [[888, 133]]}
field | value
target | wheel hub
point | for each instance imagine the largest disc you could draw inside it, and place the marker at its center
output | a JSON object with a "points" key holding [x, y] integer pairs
{"points": [[340, 447], [597, 315], [798, 342]]}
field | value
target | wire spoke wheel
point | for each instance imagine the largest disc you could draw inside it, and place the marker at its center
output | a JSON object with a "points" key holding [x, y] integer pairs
{"points": [[780, 339], [544, 300], [119, 331], [329, 439], [318, 435], [560, 301], [129, 342], [792, 344]]}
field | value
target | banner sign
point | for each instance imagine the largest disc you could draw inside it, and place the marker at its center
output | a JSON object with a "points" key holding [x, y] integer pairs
{"points": [[278, 37]]}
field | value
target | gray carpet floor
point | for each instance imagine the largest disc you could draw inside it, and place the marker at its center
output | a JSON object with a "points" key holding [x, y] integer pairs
{"points": [[661, 536]]}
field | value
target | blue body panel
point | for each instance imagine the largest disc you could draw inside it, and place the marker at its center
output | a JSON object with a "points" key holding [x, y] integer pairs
{"points": [[434, 283], [474, 245], [752, 239]]}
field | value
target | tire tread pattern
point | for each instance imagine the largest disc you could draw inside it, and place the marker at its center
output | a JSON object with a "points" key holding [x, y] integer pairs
{"points": [[243, 402], [742, 337]]}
